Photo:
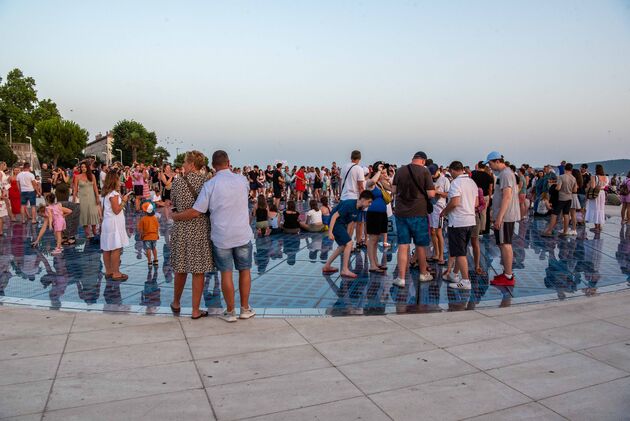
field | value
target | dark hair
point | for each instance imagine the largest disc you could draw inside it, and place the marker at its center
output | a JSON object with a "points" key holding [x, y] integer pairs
{"points": [[325, 200], [585, 166], [262, 202], [355, 155], [291, 205], [88, 172], [481, 165], [313, 204], [273, 207], [50, 198], [599, 169], [279, 165], [568, 166], [367, 195], [457, 166], [110, 184], [578, 177], [220, 158]]}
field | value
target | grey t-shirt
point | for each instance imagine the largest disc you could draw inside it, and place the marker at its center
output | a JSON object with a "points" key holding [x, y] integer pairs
{"points": [[506, 178], [565, 186]]}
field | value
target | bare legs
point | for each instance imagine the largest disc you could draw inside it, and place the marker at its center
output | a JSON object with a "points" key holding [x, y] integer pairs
{"points": [[507, 257], [198, 280], [438, 244], [345, 269], [403, 259], [111, 260], [244, 285]]}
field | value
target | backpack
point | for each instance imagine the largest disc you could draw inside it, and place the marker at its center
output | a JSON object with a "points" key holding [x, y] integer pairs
{"points": [[623, 189]]}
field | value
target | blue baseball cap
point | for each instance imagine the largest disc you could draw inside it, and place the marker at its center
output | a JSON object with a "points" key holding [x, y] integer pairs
{"points": [[492, 156]]}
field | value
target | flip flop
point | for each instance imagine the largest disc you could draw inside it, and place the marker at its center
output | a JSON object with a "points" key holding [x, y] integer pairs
{"points": [[120, 279], [203, 313], [333, 270], [175, 310], [383, 267], [379, 270]]}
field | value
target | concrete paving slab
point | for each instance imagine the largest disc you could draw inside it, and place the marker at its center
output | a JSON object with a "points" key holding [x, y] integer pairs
{"points": [[548, 318], [239, 343], [465, 332], [608, 401], [280, 393], [82, 363], [28, 369], [617, 354], [586, 335], [255, 365], [449, 399], [505, 351], [23, 398], [131, 335], [373, 347], [98, 321], [32, 347], [355, 409], [528, 412], [24, 322], [405, 370], [188, 404], [214, 326], [331, 329], [416, 321], [555, 375], [623, 321], [105, 387]]}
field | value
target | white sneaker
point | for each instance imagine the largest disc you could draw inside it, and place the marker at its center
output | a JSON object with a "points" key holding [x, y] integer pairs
{"points": [[229, 316], [425, 277], [463, 284], [573, 232], [454, 277], [399, 282], [247, 313]]}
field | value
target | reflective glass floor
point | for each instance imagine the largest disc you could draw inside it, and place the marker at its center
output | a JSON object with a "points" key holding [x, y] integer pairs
{"points": [[287, 278]]}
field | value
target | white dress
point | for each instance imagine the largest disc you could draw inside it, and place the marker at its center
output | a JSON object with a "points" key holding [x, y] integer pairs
{"points": [[113, 229], [596, 208]]}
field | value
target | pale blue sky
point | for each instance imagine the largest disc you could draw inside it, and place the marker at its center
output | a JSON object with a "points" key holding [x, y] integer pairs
{"points": [[309, 81]]}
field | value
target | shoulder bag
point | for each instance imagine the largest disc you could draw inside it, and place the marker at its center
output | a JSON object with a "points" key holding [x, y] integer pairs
{"points": [[346, 177]]}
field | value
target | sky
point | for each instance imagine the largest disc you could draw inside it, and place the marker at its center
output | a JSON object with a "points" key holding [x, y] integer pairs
{"points": [[309, 81]]}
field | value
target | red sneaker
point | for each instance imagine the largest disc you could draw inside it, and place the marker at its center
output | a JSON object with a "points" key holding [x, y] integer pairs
{"points": [[502, 281]]}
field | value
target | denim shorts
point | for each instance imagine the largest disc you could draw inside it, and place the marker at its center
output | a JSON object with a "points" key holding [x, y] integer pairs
{"points": [[340, 231], [413, 227], [27, 197], [227, 260], [149, 244]]}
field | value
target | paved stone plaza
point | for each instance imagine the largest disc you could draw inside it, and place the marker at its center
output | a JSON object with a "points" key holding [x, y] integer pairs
{"points": [[547, 361]]}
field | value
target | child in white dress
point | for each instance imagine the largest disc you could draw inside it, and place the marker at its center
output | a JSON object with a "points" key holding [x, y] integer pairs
{"points": [[113, 230]]}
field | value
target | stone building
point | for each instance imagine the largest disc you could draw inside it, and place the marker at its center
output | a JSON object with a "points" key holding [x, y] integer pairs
{"points": [[100, 147]]}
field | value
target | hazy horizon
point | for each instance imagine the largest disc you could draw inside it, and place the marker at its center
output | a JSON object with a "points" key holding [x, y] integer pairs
{"points": [[308, 82]]}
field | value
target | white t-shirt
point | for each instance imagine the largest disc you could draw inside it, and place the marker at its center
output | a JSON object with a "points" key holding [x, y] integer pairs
{"points": [[314, 217], [441, 185], [464, 214], [356, 175], [26, 178], [103, 174]]}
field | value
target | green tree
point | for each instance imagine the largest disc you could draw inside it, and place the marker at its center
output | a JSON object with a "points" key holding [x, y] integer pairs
{"points": [[179, 159], [19, 103], [56, 139], [136, 142], [161, 155], [6, 154]]}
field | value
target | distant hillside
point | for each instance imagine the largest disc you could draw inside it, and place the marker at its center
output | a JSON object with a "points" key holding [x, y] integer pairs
{"points": [[612, 166]]}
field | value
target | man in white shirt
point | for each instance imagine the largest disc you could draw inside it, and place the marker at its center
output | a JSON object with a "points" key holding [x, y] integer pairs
{"points": [[225, 196], [463, 199], [28, 186], [352, 184]]}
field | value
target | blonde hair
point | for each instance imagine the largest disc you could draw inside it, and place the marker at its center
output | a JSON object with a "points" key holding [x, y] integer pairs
{"points": [[196, 158]]}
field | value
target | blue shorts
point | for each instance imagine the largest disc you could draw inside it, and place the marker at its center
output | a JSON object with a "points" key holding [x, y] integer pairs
{"points": [[149, 245], [27, 197], [362, 217], [228, 259], [340, 231], [413, 227], [582, 199]]}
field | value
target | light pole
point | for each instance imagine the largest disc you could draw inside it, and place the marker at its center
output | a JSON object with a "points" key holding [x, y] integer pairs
{"points": [[10, 131], [30, 142], [120, 150]]}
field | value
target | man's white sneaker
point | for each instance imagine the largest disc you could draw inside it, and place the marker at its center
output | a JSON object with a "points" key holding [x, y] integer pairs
{"points": [[399, 282], [425, 277], [229, 316], [572, 232], [247, 313], [463, 284], [453, 277]]}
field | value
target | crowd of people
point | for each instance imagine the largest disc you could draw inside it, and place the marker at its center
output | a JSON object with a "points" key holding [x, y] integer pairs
{"points": [[217, 211]]}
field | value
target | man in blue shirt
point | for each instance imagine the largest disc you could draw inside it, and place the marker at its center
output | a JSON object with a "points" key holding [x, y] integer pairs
{"points": [[346, 212]]}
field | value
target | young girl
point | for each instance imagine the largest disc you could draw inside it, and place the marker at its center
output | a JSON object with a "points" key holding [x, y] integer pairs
{"points": [[54, 217], [273, 219], [113, 232], [313, 218], [291, 224], [261, 214]]}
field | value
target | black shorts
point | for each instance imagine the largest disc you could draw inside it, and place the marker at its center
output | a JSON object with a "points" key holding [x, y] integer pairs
{"points": [[138, 190], [562, 207], [458, 240], [277, 193], [505, 234], [376, 223], [46, 187]]}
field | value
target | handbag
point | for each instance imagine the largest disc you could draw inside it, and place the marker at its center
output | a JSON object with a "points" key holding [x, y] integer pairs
{"points": [[421, 190], [387, 196]]}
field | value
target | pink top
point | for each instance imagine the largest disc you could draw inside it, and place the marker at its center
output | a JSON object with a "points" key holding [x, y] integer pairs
{"points": [[58, 221]]}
